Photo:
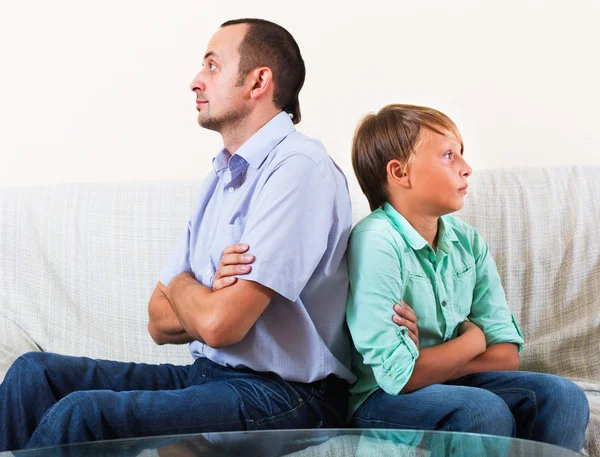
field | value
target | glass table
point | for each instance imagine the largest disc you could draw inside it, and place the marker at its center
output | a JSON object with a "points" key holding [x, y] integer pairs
{"points": [[308, 443]]}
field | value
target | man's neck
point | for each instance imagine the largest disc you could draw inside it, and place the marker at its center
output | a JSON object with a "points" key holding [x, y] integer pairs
{"points": [[236, 135]]}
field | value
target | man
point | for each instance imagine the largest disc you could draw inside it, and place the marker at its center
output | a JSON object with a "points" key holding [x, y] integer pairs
{"points": [[271, 349]]}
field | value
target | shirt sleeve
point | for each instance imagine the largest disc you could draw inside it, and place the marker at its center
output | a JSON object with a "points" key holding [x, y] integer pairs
{"points": [[291, 222], [489, 310], [179, 261], [375, 286]]}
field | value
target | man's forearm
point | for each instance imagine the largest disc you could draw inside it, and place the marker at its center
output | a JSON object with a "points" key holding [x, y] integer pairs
{"points": [[163, 324], [498, 357], [188, 299]]}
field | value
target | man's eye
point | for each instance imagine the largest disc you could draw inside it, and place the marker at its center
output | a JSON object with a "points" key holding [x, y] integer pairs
{"points": [[212, 67]]}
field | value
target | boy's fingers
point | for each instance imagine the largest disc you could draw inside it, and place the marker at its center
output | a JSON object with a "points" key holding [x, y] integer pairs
{"points": [[415, 338], [407, 307], [409, 325]]}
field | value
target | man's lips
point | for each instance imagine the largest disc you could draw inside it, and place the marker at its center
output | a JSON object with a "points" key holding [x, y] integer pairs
{"points": [[199, 102]]}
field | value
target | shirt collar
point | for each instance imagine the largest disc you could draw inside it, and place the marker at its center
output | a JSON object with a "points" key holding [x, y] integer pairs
{"points": [[258, 146], [445, 232]]}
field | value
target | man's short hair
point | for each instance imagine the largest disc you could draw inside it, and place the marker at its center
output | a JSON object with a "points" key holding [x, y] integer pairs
{"points": [[394, 133], [267, 44]]}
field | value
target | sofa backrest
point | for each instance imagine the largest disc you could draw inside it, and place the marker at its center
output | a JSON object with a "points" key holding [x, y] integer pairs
{"points": [[78, 263]]}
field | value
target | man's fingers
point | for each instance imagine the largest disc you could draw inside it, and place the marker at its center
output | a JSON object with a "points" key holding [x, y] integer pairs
{"points": [[236, 248], [224, 282], [232, 270], [236, 259]]}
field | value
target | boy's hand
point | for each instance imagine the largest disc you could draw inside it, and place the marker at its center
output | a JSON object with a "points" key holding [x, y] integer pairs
{"points": [[475, 334], [405, 317], [234, 262]]}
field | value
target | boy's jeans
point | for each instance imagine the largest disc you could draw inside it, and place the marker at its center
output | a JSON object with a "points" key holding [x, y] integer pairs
{"points": [[48, 399], [533, 406]]}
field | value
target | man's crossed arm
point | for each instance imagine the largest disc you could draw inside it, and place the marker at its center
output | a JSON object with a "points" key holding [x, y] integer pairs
{"points": [[186, 310]]}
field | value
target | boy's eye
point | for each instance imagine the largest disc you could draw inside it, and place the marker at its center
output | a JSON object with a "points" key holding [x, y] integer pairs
{"points": [[449, 154]]}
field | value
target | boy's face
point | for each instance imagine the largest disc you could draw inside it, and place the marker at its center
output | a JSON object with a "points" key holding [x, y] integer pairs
{"points": [[438, 174]]}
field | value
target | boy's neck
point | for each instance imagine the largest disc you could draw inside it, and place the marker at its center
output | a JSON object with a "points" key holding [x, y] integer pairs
{"points": [[425, 225]]}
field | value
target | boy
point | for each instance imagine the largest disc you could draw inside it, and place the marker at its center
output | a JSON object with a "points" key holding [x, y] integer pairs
{"points": [[447, 359]]}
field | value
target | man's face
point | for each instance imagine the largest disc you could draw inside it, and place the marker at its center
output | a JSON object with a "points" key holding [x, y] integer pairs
{"points": [[438, 174], [220, 101]]}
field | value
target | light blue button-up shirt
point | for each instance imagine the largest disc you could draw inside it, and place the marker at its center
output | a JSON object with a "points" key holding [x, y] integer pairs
{"points": [[285, 197]]}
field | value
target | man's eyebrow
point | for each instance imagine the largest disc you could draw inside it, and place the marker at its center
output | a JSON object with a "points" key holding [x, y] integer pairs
{"points": [[210, 54]]}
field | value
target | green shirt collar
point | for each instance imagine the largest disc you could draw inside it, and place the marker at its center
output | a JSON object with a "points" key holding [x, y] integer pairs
{"points": [[446, 234]]}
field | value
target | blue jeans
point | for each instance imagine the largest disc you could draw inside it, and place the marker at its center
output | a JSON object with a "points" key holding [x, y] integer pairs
{"points": [[533, 406], [49, 399]]}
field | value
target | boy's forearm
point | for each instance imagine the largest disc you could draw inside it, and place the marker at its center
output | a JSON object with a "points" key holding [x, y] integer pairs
{"points": [[437, 364], [498, 357]]}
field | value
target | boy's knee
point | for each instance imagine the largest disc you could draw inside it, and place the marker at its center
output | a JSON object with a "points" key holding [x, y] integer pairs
{"points": [[484, 412], [561, 395]]}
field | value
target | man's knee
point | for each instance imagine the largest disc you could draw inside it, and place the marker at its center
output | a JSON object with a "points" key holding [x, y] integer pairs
{"points": [[480, 411], [27, 366]]}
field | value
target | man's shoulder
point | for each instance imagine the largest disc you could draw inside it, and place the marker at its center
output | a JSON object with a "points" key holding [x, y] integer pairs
{"points": [[296, 144]]}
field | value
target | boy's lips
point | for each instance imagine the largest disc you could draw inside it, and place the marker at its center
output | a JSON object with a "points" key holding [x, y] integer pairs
{"points": [[463, 189]]}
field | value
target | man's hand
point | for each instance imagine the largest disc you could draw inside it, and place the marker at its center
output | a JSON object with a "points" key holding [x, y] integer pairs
{"points": [[406, 317], [234, 262], [474, 333]]}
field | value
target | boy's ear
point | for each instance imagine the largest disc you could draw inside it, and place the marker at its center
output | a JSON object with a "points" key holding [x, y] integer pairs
{"points": [[396, 173]]}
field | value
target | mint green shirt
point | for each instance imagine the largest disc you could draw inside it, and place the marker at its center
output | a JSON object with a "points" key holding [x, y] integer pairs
{"points": [[388, 260]]}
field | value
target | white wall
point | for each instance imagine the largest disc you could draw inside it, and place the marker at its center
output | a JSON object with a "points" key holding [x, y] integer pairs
{"points": [[99, 91]]}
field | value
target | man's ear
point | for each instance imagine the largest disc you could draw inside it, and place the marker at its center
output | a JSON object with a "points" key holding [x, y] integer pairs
{"points": [[261, 80], [396, 173]]}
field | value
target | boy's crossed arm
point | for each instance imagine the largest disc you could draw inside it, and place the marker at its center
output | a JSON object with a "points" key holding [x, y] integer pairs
{"points": [[459, 357]]}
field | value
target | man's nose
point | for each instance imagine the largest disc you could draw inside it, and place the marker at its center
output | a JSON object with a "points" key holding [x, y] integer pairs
{"points": [[198, 83]]}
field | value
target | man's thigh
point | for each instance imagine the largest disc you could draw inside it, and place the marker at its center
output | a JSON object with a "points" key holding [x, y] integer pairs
{"points": [[66, 374]]}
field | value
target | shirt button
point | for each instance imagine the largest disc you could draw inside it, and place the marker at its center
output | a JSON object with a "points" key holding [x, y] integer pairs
{"points": [[231, 189], [209, 271], [444, 303]]}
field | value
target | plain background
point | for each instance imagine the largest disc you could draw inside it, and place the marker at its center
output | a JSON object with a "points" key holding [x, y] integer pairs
{"points": [[99, 91]]}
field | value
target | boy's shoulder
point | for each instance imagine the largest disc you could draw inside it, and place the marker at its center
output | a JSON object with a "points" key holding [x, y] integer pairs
{"points": [[376, 220], [466, 234]]}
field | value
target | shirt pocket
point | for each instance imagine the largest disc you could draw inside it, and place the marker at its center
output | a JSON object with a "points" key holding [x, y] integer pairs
{"points": [[418, 294], [226, 236], [464, 285]]}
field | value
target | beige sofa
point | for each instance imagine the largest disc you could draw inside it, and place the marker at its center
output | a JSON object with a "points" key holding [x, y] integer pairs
{"points": [[78, 264]]}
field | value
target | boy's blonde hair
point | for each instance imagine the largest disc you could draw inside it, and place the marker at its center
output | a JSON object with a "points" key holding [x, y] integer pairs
{"points": [[394, 133]]}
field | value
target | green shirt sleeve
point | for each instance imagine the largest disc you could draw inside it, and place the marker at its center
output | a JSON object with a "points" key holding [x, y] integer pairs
{"points": [[489, 310], [374, 263]]}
